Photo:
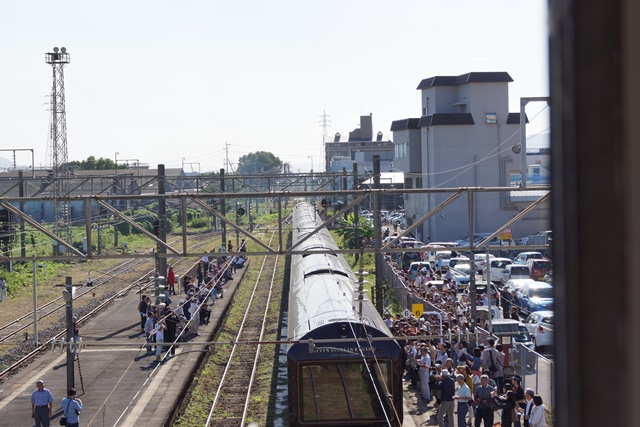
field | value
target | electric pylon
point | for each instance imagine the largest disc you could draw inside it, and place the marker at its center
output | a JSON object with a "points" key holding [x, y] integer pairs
{"points": [[58, 142]]}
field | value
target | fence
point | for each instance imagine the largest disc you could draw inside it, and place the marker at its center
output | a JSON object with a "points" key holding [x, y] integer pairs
{"points": [[537, 371]]}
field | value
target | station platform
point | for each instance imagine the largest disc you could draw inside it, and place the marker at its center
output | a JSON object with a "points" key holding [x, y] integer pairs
{"points": [[123, 386]]}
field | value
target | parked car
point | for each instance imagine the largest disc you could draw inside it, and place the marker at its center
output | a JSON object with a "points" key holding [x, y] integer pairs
{"points": [[538, 268], [417, 266], [461, 278], [540, 326], [460, 259], [481, 288], [481, 261], [523, 257], [408, 258], [516, 285], [497, 267], [442, 260], [535, 296], [515, 271]]}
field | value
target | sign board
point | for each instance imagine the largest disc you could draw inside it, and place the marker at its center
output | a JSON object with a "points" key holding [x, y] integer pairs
{"points": [[417, 309], [406, 313], [387, 310], [505, 234]]}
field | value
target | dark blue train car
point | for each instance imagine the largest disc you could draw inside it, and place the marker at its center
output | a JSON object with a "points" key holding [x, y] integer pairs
{"points": [[339, 383]]}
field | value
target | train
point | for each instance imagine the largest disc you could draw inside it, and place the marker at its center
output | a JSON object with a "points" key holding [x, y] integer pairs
{"points": [[341, 383]]}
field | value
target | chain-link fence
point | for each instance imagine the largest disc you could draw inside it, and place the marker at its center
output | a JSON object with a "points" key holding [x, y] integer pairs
{"points": [[537, 371]]}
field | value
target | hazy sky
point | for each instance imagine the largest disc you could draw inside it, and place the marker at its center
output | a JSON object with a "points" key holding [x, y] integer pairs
{"points": [[160, 81]]}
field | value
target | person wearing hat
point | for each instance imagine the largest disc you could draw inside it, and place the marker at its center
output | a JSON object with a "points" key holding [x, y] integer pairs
{"points": [[447, 393], [519, 392]]}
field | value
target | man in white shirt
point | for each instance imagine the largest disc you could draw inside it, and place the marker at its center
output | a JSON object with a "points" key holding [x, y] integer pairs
{"points": [[528, 407]]}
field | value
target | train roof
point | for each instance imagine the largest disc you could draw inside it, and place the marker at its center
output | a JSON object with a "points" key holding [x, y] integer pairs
{"points": [[322, 287]]}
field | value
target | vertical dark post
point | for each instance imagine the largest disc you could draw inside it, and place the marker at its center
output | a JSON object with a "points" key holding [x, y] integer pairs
{"points": [[472, 285], [356, 210], [23, 252], [183, 217], [69, 315], [223, 207], [88, 224], [344, 187], [162, 219], [377, 232]]}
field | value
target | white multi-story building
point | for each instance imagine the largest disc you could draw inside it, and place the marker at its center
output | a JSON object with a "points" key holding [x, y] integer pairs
{"points": [[464, 138]]}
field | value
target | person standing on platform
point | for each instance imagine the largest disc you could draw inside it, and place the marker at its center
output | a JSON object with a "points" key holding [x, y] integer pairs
{"points": [[447, 393], [142, 308], [3, 289], [171, 281], [160, 327], [76, 335], [148, 330], [463, 398], [71, 408], [41, 405]]}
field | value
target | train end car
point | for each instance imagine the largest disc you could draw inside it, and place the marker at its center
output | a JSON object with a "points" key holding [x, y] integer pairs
{"points": [[342, 382]]}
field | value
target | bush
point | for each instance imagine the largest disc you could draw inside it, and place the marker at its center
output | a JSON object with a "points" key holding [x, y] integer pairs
{"points": [[198, 223]]}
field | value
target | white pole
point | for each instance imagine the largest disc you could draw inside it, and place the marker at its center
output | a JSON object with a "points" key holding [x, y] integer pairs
{"points": [[487, 265], [35, 301]]}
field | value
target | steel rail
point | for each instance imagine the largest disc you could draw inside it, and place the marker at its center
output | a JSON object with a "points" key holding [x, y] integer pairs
{"points": [[97, 309]]}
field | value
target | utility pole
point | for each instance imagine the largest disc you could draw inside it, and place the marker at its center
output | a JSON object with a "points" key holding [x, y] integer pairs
{"points": [[226, 160], [23, 252], [325, 123], [223, 207], [472, 294], [377, 233], [162, 220], [68, 298]]}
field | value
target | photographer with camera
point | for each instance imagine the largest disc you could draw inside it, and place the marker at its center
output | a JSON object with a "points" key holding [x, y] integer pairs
{"points": [[71, 407]]}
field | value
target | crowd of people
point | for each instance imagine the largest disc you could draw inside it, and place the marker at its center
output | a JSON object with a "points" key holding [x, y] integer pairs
{"points": [[447, 362], [164, 324]]}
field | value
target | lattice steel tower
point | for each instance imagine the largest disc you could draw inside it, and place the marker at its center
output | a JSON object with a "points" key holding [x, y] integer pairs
{"points": [[58, 142]]}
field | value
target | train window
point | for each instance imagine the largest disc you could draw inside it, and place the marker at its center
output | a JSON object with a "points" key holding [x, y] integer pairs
{"points": [[344, 391]]}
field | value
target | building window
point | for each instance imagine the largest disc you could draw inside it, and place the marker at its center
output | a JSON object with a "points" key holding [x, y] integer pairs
{"points": [[408, 183], [418, 182]]}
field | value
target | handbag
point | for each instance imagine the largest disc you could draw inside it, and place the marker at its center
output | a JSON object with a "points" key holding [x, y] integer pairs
{"points": [[63, 420]]}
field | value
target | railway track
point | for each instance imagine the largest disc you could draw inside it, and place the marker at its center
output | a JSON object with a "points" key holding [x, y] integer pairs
{"points": [[14, 327], [231, 401], [139, 284]]}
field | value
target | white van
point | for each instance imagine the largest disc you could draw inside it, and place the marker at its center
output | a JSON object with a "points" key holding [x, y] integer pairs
{"points": [[497, 267]]}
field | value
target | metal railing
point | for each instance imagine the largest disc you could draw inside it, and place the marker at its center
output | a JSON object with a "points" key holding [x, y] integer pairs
{"points": [[537, 371]]}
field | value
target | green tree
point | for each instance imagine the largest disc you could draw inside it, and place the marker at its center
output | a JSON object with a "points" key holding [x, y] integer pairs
{"points": [[259, 162], [95, 164], [347, 230]]}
